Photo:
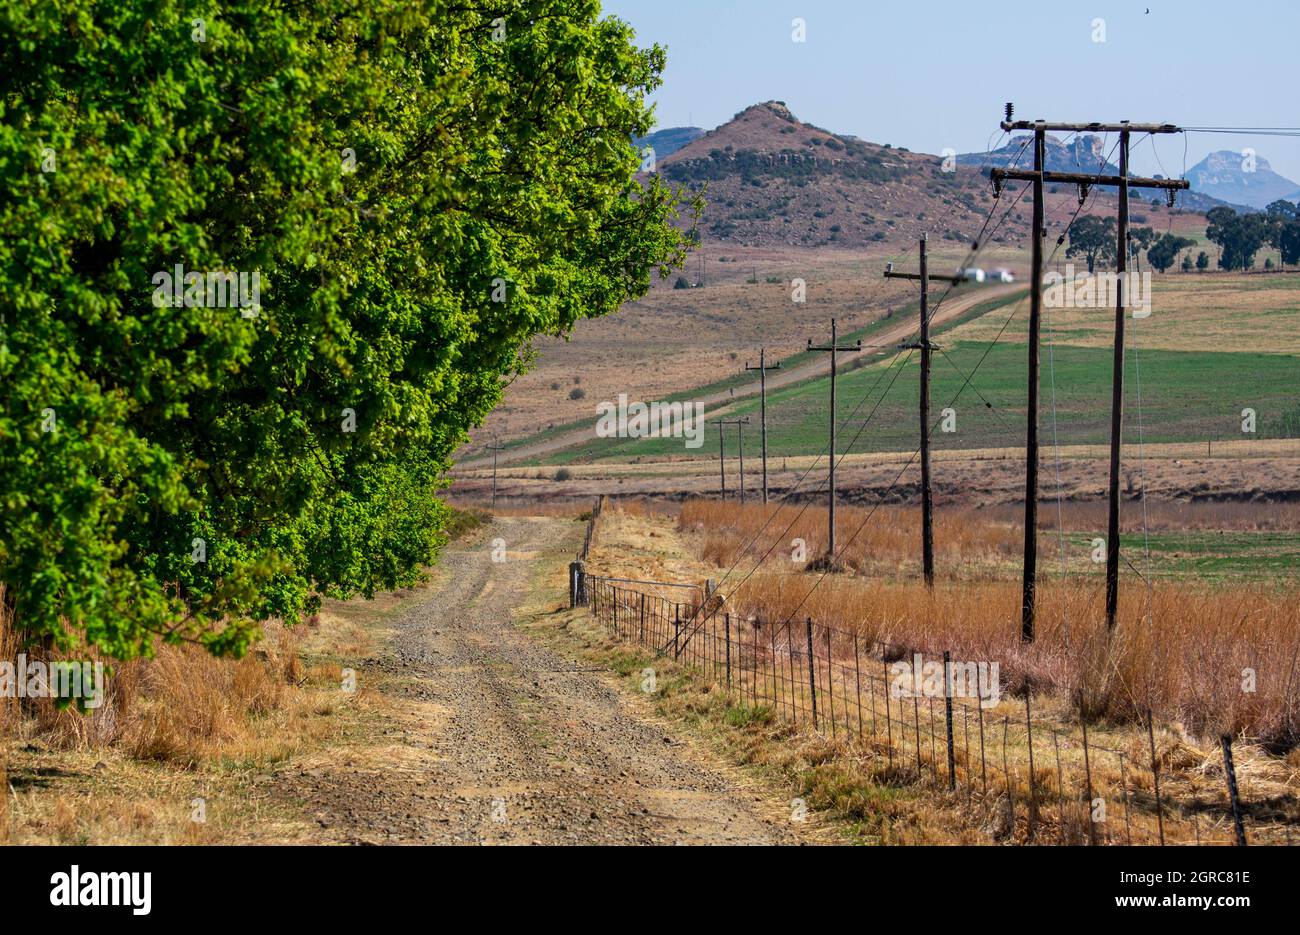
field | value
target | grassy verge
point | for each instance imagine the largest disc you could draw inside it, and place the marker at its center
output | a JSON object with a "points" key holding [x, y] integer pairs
{"points": [[186, 748]]}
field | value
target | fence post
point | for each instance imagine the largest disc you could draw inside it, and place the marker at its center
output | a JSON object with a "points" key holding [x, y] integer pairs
{"points": [[1033, 784], [979, 695], [812, 674], [641, 635], [726, 624], [1087, 772], [947, 705], [1155, 776], [575, 584], [1230, 771], [830, 681], [677, 628]]}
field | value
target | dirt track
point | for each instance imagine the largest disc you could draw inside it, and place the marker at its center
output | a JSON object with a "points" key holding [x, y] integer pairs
{"points": [[504, 741], [717, 403]]}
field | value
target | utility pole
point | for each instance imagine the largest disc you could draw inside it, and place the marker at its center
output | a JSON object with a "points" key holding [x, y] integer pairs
{"points": [[1123, 182], [740, 441], [834, 350], [925, 346], [494, 448], [722, 463], [762, 369]]}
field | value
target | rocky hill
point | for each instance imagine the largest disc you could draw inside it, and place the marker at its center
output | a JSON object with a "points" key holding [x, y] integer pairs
{"points": [[772, 181]]}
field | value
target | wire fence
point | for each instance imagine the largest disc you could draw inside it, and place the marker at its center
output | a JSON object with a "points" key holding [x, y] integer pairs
{"points": [[929, 719]]}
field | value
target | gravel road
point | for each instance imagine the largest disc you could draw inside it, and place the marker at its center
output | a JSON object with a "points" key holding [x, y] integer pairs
{"points": [[501, 740]]}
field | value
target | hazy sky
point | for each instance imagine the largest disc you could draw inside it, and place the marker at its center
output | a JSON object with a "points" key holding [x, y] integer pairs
{"points": [[930, 74]]}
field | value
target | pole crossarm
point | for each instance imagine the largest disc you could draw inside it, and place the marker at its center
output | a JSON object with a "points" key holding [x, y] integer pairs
{"points": [[1083, 178], [1090, 127], [955, 280]]}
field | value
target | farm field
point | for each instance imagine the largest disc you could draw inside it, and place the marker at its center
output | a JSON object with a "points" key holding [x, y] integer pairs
{"points": [[1192, 367]]}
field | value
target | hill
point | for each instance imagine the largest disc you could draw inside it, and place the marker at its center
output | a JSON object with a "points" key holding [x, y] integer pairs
{"points": [[1230, 177], [773, 181]]}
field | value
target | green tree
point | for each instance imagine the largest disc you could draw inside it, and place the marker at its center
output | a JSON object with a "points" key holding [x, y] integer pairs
{"points": [[1093, 238], [1165, 252], [422, 188], [1140, 239], [1202, 261], [1283, 225], [1238, 236]]}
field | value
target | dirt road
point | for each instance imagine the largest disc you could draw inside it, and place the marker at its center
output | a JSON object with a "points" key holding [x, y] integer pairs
{"points": [[504, 741], [716, 403]]}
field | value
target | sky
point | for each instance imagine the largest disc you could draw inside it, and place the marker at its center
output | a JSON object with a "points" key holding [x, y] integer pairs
{"points": [[934, 74]]}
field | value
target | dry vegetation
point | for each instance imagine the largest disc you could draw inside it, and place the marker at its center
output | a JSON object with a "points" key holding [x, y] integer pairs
{"points": [[184, 726], [1179, 649], [877, 792]]}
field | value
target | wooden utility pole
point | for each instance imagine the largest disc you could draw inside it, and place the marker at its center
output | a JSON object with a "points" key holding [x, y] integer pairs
{"points": [[834, 350], [762, 369], [1117, 393], [722, 461], [1038, 176], [740, 441], [925, 346], [494, 448]]}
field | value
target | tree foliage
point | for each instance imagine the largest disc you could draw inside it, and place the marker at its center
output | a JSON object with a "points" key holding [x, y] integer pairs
{"points": [[1164, 253], [1239, 236], [422, 187], [1095, 239]]}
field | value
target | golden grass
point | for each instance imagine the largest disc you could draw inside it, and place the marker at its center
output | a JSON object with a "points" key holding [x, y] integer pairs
{"points": [[1189, 675], [171, 729], [1182, 649], [724, 529]]}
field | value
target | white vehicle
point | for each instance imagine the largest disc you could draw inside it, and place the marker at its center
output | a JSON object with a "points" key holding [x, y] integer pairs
{"points": [[975, 274], [1003, 275]]}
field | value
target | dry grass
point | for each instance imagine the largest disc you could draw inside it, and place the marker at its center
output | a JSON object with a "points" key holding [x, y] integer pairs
{"points": [[1186, 665], [172, 729], [1181, 649], [887, 538]]}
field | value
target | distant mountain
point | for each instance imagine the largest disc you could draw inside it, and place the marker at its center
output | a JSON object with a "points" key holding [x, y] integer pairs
{"points": [[667, 141], [1227, 175], [1082, 154], [1085, 154]]}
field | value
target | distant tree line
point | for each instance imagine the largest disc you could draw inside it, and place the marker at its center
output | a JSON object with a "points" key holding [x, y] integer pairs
{"points": [[1238, 236]]}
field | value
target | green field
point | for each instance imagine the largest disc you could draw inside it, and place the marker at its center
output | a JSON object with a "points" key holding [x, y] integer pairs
{"points": [[1206, 555], [1185, 396]]}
